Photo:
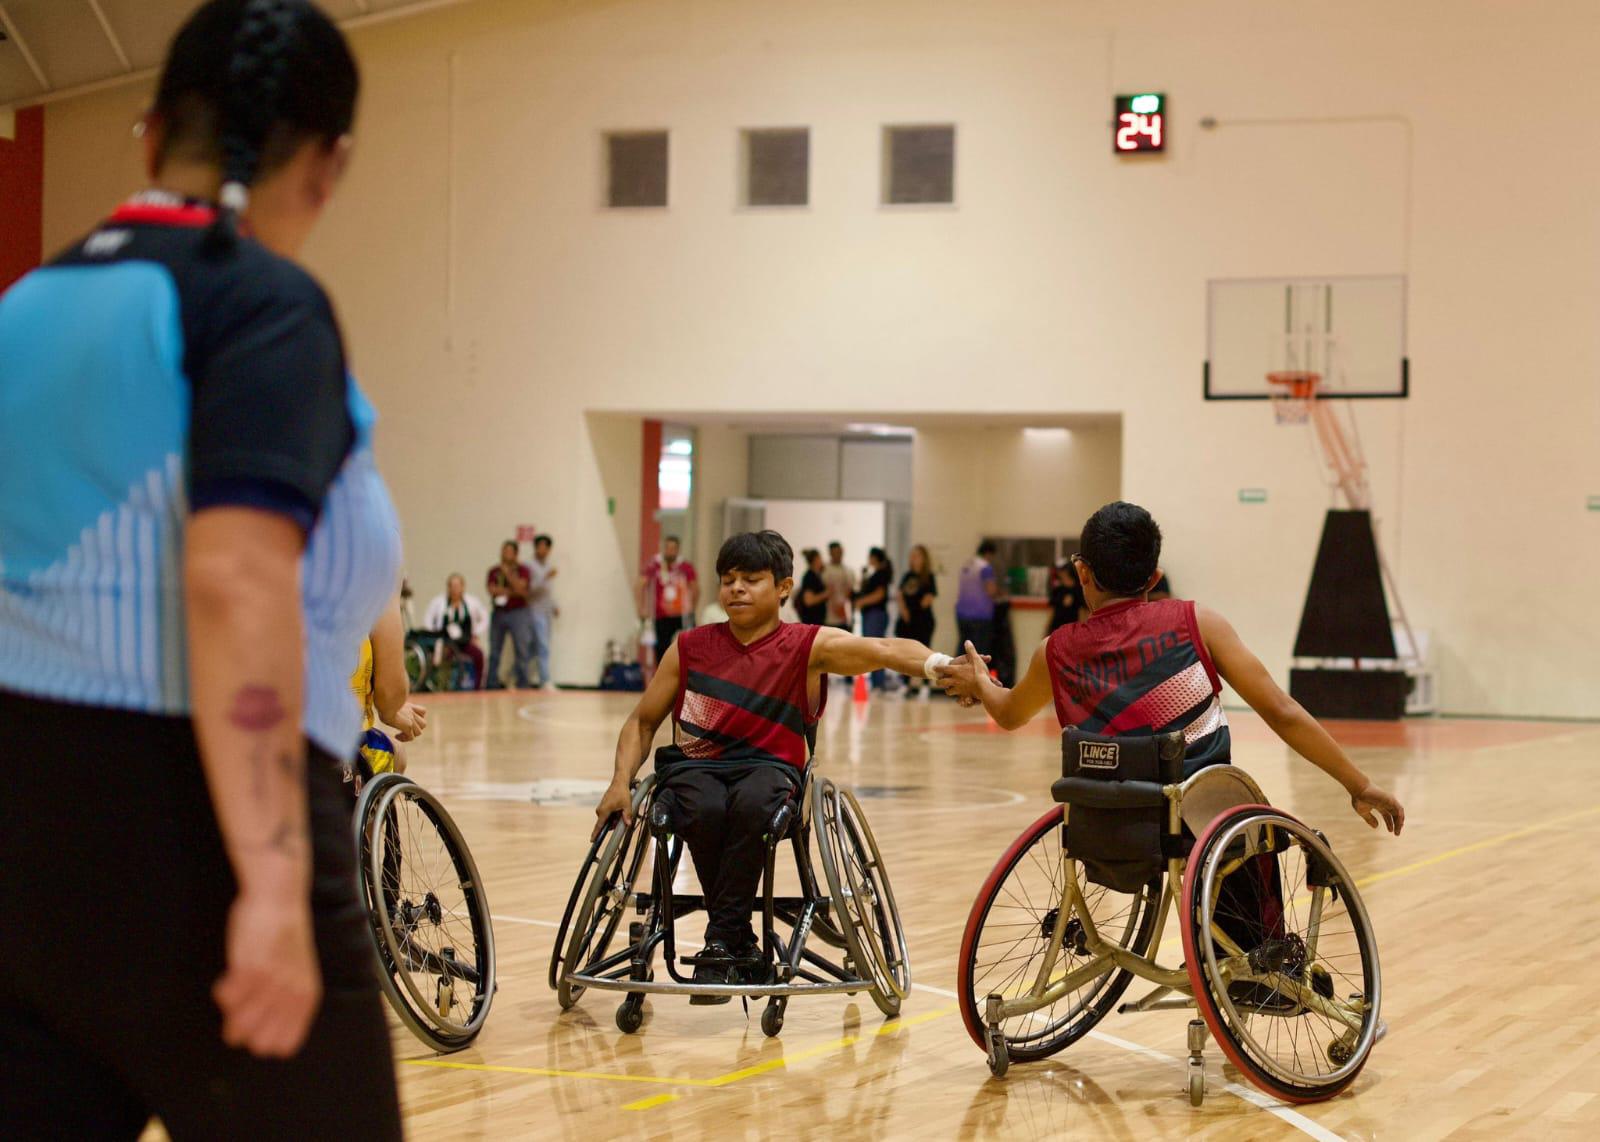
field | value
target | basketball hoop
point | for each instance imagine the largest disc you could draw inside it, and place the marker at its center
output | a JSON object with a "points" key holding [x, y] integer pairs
{"points": [[1292, 394]]}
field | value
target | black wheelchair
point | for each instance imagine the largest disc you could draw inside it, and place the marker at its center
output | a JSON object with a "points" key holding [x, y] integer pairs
{"points": [[857, 915], [1280, 959], [429, 916], [434, 665]]}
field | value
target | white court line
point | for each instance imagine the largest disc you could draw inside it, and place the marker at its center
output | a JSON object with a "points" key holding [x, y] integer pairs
{"points": [[1255, 1098], [522, 920]]}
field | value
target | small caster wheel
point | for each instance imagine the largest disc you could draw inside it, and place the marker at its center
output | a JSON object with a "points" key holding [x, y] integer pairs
{"points": [[1340, 1052], [772, 1019], [630, 1015], [1197, 1083], [999, 1056]]}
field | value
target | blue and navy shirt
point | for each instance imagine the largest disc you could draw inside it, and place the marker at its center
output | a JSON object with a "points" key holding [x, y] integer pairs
{"points": [[145, 375]]}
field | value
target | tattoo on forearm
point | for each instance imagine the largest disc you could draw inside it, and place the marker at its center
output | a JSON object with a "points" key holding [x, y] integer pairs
{"points": [[256, 709]]}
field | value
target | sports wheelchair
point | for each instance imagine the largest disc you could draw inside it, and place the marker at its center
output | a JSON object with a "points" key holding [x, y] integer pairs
{"points": [[433, 664], [857, 915], [1279, 954], [425, 902]]}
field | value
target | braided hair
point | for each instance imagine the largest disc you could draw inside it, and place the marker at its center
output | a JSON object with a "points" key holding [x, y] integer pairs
{"points": [[246, 83]]}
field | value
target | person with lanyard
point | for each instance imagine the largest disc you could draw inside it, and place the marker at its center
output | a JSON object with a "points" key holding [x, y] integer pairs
{"points": [[458, 617], [668, 590], [918, 589], [194, 540], [873, 602], [508, 582]]}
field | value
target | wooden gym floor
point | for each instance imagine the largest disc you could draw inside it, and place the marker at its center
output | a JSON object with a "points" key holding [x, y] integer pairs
{"points": [[1487, 911]]}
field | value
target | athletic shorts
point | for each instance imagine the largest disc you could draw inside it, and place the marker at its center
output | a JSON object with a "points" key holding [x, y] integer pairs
{"points": [[113, 871]]}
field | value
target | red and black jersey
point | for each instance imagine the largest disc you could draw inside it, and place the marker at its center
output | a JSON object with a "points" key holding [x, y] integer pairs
{"points": [[744, 704], [1139, 668]]}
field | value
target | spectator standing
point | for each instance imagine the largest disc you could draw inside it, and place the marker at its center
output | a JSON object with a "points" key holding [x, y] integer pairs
{"points": [[811, 601], [918, 589], [841, 583], [542, 602], [975, 600], [460, 619], [1066, 596], [873, 602], [508, 583], [668, 590]]}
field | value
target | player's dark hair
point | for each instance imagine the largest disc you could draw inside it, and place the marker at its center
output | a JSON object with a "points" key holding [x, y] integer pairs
{"points": [[835, 543], [810, 553], [245, 84], [543, 538], [509, 543], [673, 539], [757, 551], [1122, 546], [987, 547]]}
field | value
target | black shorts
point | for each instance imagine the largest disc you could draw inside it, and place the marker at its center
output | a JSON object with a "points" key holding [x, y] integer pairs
{"points": [[113, 871]]}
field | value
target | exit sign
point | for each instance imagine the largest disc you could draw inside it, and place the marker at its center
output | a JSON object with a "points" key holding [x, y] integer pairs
{"points": [[1139, 124]]}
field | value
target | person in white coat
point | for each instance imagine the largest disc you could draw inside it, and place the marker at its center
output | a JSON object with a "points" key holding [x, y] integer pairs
{"points": [[460, 619]]}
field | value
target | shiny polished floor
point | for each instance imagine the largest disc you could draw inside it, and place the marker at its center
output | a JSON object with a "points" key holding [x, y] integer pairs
{"points": [[1487, 911]]}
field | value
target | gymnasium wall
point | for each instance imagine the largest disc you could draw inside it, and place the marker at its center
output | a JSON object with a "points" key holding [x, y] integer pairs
{"points": [[498, 314]]}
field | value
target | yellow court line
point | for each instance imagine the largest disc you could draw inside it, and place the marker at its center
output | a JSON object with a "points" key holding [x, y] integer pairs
{"points": [[653, 1100], [662, 1080], [1475, 846], [1440, 858]]}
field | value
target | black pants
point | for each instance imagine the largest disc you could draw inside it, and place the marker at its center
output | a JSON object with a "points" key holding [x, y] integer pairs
{"points": [[979, 632], [667, 628], [722, 813], [114, 874]]}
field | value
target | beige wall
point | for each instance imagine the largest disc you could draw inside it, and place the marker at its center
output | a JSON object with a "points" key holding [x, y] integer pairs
{"points": [[491, 305], [973, 482]]}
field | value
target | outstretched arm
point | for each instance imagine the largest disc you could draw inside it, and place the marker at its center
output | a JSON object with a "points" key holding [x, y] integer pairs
{"points": [[839, 652], [968, 677], [638, 734], [1289, 720], [391, 690]]}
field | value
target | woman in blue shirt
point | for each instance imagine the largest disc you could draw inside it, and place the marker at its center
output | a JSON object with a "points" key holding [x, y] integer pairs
{"points": [[193, 542]]}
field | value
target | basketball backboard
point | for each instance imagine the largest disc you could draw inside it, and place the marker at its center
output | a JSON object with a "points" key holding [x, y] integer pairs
{"points": [[1351, 331]]}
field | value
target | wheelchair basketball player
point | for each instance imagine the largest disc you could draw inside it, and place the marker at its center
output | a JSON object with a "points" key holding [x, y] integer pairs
{"points": [[1136, 666], [745, 696]]}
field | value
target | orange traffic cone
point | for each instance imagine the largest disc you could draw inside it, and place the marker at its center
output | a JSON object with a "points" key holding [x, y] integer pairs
{"points": [[862, 691]]}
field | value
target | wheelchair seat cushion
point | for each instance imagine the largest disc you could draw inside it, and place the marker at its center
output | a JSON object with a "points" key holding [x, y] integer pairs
{"points": [[1118, 813]]}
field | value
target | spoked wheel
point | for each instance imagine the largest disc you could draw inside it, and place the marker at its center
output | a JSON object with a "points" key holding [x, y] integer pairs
{"points": [[1296, 1009], [606, 882], [1008, 934], [864, 902], [419, 670], [429, 916]]}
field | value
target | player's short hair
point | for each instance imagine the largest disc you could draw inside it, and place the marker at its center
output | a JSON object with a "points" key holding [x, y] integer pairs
{"points": [[510, 543], [809, 554], [1122, 546], [543, 538], [987, 547], [757, 551], [672, 539]]}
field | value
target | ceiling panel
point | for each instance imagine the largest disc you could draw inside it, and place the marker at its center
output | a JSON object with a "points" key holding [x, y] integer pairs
{"points": [[71, 47], [66, 40]]}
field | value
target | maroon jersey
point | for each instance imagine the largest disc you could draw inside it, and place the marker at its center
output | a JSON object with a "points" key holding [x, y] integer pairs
{"points": [[745, 704], [1141, 668]]}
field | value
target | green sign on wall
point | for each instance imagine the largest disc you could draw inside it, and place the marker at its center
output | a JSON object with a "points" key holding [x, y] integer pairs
{"points": [[1252, 495]]}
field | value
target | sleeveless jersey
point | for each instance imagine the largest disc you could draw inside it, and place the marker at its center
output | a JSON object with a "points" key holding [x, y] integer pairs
{"points": [[361, 685], [1141, 668], [742, 704]]}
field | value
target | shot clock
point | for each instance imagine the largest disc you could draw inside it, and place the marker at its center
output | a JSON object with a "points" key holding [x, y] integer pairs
{"points": [[1139, 124]]}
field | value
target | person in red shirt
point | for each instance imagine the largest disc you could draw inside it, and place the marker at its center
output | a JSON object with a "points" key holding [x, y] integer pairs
{"points": [[745, 696], [1137, 666], [508, 584], [668, 590]]}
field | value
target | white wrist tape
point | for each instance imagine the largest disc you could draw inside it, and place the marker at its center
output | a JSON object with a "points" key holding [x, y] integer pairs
{"points": [[935, 660]]}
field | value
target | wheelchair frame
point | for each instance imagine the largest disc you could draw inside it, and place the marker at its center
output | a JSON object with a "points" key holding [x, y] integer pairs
{"points": [[857, 915], [1176, 987]]}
